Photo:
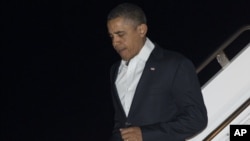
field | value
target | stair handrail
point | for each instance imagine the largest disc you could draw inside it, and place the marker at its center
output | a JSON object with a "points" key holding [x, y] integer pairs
{"points": [[227, 121], [222, 47]]}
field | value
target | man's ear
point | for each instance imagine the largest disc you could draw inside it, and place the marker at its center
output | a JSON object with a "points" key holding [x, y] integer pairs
{"points": [[143, 28]]}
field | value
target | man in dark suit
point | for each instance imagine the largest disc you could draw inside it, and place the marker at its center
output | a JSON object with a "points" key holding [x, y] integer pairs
{"points": [[156, 93]]}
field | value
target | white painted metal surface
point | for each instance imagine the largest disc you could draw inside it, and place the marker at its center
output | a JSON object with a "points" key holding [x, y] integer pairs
{"points": [[243, 118], [226, 91]]}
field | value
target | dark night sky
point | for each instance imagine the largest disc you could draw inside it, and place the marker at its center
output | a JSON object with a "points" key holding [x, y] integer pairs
{"points": [[57, 55]]}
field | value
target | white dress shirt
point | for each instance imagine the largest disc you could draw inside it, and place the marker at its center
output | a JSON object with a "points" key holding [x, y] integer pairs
{"points": [[129, 75]]}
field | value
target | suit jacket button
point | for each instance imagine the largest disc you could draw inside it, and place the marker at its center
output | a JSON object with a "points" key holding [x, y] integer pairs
{"points": [[127, 124]]}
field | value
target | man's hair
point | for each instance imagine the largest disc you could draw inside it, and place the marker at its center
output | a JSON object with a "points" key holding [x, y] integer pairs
{"points": [[128, 11]]}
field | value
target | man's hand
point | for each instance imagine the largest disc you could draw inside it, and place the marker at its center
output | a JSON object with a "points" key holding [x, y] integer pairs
{"points": [[131, 134]]}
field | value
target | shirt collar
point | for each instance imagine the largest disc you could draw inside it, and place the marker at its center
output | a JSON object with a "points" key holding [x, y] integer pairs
{"points": [[144, 52]]}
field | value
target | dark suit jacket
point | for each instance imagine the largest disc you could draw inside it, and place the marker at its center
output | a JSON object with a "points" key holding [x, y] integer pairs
{"points": [[168, 103]]}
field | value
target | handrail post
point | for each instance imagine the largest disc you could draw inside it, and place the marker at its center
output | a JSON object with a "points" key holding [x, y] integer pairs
{"points": [[222, 47]]}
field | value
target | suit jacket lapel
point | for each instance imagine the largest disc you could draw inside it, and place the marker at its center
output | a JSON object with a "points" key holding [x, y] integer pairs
{"points": [[146, 76], [114, 74]]}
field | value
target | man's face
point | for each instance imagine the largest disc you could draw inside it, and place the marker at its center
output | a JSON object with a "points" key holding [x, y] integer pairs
{"points": [[127, 39]]}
